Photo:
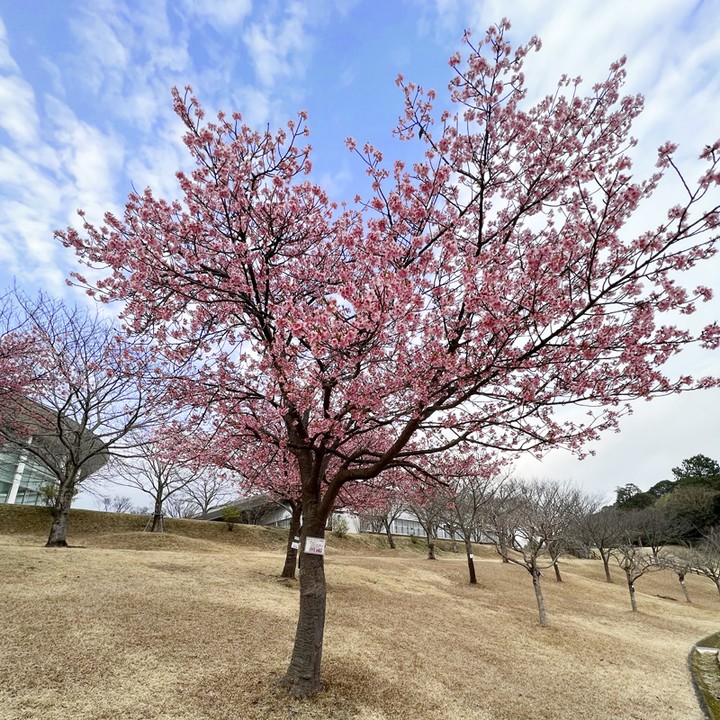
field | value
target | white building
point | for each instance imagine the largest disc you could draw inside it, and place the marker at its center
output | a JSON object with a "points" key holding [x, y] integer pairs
{"points": [[21, 477]]}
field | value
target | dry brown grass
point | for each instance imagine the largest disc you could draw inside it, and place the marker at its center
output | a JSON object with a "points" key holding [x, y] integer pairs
{"points": [[140, 627]]}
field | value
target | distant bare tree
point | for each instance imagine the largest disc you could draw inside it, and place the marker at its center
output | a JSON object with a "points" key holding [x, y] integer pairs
{"points": [[531, 516], [85, 388], [468, 499], [635, 562], [601, 529], [179, 507], [152, 471], [654, 527], [706, 556], [429, 509], [381, 518], [209, 489], [117, 504], [681, 561]]}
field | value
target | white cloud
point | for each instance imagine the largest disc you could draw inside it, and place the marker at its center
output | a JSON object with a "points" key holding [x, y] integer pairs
{"points": [[276, 46], [92, 160], [17, 110], [221, 14]]}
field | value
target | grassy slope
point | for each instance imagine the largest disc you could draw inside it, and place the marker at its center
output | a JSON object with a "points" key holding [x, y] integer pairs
{"points": [[198, 625]]}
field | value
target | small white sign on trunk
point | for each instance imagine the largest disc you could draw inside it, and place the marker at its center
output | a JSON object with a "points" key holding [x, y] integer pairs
{"points": [[314, 546]]}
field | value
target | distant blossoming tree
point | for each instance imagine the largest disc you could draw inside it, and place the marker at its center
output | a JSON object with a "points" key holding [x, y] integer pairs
{"points": [[468, 299]]}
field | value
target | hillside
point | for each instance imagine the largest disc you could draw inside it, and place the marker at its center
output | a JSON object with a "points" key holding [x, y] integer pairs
{"points": [[196, 624]]}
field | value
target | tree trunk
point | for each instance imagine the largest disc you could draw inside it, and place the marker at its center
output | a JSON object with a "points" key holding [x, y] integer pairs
{"points": [[431, 547], [631, 590], [681, 578], [606, 564], [558, 576], [61, 513], [291, 553], [302, 678], [539, 597], [388, 532], [471, 561], [157, 521], [717, 585], [503, 549]]}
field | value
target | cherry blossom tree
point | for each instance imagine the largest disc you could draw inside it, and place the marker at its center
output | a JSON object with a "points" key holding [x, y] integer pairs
{"points": [[15, 345], [470, 298]]}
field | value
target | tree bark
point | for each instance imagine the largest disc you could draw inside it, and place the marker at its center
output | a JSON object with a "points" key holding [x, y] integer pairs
{"points": [[503, 549], [539, 597], [291, 553], [431, 547], [302, 678], [605, 555], [157, 522], [61, 513], [391, 539], [681, 578], [558, 576], [631, 590], [471, 561]]}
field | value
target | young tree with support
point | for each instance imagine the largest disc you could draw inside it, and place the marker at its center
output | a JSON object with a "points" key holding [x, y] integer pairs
{"points": [[154, 467], [468, 299]]}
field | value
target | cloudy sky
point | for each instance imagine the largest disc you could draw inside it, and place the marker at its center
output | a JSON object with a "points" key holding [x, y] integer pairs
{"points": [[85, 115]]}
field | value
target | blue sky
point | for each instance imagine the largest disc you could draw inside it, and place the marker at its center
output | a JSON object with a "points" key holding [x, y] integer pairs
{"points": [[85, 114]]}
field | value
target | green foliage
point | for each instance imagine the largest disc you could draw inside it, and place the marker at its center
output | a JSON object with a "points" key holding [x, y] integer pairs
{"points": [[49, 493], [698, 470], [340, 526], [630, 497], [664, 487], [231, 515]]}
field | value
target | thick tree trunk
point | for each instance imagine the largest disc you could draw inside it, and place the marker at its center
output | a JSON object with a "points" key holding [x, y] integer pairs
{"points": [[539, 597], [631, 590], [558, 576], [681, 578], [61, 513], [391, 539], [471, 561], [606, 564], [302, 678], [291, 553]]}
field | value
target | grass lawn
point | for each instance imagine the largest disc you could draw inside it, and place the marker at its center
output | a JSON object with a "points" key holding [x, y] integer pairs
{"points": [[180, 627]]}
